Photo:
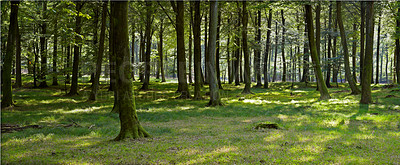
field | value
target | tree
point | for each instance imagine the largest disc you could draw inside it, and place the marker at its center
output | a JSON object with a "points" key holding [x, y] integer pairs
{"points": [[160, 51], [18, 80], [366, 97], [215, 99], [95, 86], [267, 47], [6, 87], [130, 126], [276, 51], [75, 65], [314, 55], [43, 48], [329, 67], [197, 50], [179, 9], [149, 14], [377, 51], [257, 51], [55, 82], [283, 48], [349, 77], [247, 80], [397, 42]]}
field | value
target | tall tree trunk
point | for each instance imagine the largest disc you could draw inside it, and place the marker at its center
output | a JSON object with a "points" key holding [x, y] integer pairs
{"points": [[276, 51], [366, 97], [237, 47], [43, 49], [349, 77], [206, 61], [257, 53], [362, 40], [267, 49], [318, 32], [247, 80], [130, 126], [354, 53], [397, 50], [228, 59], [95, 37], [6, 87], [75, 67], [283, 48], [180, 33], [314, 55], [133, 51], [197, 50], [329, 68], [215, 99], [306, 58], [149, 14], [190, 44], [67, 79], [95, 86], [160, 51], [141, 54], [55, 82], [18, 80], [377, 51], [334, 49], [217, 68]]}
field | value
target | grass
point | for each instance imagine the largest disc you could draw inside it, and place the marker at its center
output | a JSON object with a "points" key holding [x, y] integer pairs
{"points": [[335, 131]]}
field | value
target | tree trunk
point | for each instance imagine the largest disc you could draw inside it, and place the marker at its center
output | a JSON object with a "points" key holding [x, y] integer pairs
{"points": [[247, 80], [237, 48], [329, 68], [6, 87], [43, 49], [95, 86], [257, 53], [160, 52], [180, 33], [362, 40], [283, 48], [215, 99], [197, 50], [18, 81], [133, 51], [335, 65], [276, 51], [318, 31], [377, 51], [228, 59], [366, 97], [149, 14], [306, 57], [190, 45], [55, 81], [267, 49], [314, 55], [349, 77], [141, 54], [74, 85], [397, 51], [354, 53], [217, 55], [130, 126], [206, 61]]}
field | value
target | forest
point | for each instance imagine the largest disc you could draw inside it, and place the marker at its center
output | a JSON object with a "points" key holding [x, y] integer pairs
{"points": [[200, 82]]}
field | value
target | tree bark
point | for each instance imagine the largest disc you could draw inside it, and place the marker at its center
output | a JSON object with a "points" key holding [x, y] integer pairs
{"points": [[237, 48], [18, 80], [55, 81], [329, 68], [190, 45], [43, 49], [149, 14], [197, 50], [377, 51], [130, 126], [160, 51], [247, 80], [267, 49], [215, 99], [257, 52], [354, 53], [349, 77], [362, 40], [283, 48], [180, 33], [6, 87], [95, 86], [366, 97], [314, 55], [397, 42]]}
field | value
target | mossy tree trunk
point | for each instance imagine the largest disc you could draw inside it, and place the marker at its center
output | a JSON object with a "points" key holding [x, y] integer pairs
{"points": [[6, 87], [349, 77], [366, 97], [314, 55], [130, 126], [247, 80], [95, 86], [215, 99], [267, 49]]}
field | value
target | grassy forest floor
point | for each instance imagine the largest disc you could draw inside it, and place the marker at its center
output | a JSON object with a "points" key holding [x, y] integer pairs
{"points": [[336, 131]]}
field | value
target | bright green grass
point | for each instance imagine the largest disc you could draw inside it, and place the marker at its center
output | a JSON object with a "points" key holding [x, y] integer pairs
{"points": [[335, 131]]}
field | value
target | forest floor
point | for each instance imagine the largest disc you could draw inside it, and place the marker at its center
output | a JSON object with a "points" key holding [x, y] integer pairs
{"points": [[336, 131]]}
